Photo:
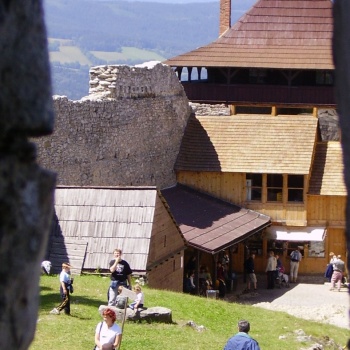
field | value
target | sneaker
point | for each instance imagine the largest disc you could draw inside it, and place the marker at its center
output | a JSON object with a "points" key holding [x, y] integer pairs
{"points": [[331, 289], [54, 312]]}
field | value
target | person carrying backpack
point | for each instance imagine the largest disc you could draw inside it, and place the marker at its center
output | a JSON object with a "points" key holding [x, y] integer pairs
{"points": [[295, 258]]}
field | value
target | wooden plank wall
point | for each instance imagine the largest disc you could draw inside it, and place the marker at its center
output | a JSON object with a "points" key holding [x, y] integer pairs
{"points": [[67, 250], [230, 187]]}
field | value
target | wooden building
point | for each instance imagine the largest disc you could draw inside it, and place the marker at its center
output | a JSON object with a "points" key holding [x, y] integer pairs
{"points": [[274, 69], [92, 222]]}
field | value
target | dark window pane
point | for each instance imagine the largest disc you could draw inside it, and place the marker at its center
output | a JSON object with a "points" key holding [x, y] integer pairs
{"points": [[295, 195], [274, 180], [296, 181], [274, 195], [256, 179]]}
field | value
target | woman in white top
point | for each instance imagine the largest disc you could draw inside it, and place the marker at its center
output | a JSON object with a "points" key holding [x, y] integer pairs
{"points": [[108, 334]]}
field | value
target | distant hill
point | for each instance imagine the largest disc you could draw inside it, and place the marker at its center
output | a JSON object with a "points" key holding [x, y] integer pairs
{"points": [[84, 33]]}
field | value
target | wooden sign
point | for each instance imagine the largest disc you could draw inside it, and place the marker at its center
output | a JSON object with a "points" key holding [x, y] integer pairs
{"points": [[128, 293]]}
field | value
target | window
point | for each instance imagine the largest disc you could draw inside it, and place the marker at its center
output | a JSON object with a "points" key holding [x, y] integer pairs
{"points": [[295, 188], [316, 249], [255, 244], [274, 187], [324, 78], [254, 187]]}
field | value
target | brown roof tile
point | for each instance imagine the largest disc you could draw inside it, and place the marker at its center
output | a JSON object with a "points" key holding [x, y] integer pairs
{"points": [[249, 143], [327, 172], [209, 224], [293, 34]]}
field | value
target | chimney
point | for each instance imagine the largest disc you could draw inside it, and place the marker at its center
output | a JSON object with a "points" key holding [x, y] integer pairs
{"points": [[225, 16]]}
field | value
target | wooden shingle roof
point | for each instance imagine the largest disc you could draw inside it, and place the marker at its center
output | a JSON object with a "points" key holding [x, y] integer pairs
{"points": [[249, 143], [288, 34], [110, 217], [327, 177], [209, 224]]}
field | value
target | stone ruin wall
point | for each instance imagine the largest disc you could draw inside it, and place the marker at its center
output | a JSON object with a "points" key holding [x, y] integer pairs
{"points": [[126, 132]]}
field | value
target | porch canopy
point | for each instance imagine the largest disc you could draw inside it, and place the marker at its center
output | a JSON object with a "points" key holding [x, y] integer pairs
{"points": [[289, 233], [209, 224]]}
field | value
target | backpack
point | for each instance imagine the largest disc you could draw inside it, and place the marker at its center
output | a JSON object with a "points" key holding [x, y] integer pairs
{"points": [[294, 255]]}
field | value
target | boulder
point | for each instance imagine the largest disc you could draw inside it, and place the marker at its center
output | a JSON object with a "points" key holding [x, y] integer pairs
{"points": [[151, 314]]}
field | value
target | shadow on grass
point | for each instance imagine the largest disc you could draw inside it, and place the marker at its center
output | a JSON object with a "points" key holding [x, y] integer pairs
{"points": [[51, 300]]}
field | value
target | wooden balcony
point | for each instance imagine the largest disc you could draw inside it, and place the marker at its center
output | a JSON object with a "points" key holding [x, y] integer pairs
{"points": [[202, 92]]}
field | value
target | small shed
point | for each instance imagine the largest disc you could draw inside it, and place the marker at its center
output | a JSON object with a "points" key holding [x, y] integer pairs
{"points": [[211, 226], [135, 219]]}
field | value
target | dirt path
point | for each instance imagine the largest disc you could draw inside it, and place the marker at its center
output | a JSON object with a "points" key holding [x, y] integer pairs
{"points": [[310, 299]]}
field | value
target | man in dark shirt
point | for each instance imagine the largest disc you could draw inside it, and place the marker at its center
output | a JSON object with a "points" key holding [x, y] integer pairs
{"points": [[120, 276], [249, 268], [241, 340]]}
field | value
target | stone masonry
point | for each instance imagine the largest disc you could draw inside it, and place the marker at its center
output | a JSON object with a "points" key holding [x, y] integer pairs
{"points": [[126, 132]]}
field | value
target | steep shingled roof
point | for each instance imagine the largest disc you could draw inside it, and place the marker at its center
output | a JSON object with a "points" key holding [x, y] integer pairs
{"points": [[249, 143], [288, 34], [115, 217], [327, 177], [209, 224]]}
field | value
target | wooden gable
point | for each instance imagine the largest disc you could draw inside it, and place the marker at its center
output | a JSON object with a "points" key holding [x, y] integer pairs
{"points": [[249, 144], [327, 177], [116, 217], [294, 34]]}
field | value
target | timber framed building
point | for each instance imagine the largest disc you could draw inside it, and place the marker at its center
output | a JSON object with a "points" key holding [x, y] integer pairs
{"points": [[274, 71]]}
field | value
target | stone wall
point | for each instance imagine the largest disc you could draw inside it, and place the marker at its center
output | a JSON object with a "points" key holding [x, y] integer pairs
{"points": [[126, 132]]}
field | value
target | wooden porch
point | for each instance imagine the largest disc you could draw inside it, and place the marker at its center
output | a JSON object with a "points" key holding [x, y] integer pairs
{"points": [[203, 92]]}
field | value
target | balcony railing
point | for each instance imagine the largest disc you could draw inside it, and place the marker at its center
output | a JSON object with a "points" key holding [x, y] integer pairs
{"points": [[264, 94]]}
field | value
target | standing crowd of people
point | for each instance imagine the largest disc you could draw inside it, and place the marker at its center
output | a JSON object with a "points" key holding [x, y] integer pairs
{"points": [[108, 334]]}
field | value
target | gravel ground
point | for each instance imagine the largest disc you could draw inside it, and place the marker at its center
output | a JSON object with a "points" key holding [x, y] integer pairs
{"points": [[309, 299]]}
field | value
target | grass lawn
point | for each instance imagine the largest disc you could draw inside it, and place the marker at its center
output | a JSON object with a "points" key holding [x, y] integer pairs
{"points": [[273, 330]]}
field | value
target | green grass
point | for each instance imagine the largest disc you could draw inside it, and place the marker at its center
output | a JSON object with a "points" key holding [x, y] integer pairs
{"points": [[67, 52], [59, 332], [128, 53]]}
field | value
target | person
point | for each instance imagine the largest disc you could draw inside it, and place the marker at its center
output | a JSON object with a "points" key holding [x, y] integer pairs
{"points": [[295, 258], [329, 268], [140, 298], [279, 266], [65, 289], [120, 301], [249, 267], [338, 271], [270, 270], [205, 280], [120, 276], [225, 259], [108, 334], [189, 286], [46, 267], [242, 340], [191, 264], [193, 286], [220, 282]]}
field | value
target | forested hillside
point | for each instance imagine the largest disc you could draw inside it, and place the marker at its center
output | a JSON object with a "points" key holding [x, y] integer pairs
{"points": [[84, 33]]}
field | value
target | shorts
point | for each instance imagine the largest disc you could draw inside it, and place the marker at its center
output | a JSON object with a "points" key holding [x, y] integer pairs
{"points": [[252, 277]]}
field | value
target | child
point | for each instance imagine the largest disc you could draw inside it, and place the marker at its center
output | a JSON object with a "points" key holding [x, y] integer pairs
{"points": [[65, 286], [120, 301], [139, 298]]}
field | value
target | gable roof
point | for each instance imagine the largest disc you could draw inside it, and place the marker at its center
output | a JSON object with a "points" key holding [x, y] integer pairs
{"points": [[327, 177], [288, 34], [209, 224], [111, 217], [249, 143]]}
